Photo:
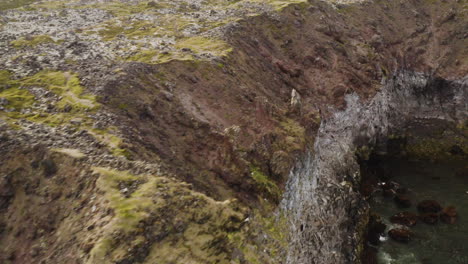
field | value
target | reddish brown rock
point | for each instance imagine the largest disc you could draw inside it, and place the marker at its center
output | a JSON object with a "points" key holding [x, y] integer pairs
{"points": [[429, 218], [400, 235], [449, 215], [429, 206], [404, 218], [402, 200]]}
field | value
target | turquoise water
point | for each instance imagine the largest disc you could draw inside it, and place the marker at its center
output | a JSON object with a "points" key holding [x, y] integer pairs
{"points": [[432, 244]]}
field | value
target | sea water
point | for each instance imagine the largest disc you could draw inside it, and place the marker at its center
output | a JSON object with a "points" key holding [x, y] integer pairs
{"points": [[431, 244]]}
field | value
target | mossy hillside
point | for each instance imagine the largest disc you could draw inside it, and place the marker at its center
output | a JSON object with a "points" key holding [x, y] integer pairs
{"points": [[158, 31], [109, 138], [264, 238], [63, 84], [72, 104], [186, 226], [67, 86], [163, 26]]}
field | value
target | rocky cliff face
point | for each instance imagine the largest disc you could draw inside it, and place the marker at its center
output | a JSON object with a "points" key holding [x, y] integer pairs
{"points": [[144, 131], [322, 198]]}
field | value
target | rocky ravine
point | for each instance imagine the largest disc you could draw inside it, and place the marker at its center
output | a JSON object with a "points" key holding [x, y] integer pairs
{"points": [[165, 131]]}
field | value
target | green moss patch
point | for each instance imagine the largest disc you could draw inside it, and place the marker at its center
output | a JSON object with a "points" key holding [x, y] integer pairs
{"points": [[265, 184], [11, 4], [173, 223], [32, 41], [205, 45], [73, 102]]}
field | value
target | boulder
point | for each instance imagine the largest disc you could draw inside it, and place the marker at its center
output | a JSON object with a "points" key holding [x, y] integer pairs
{"points": [[402, 200], [404, 218], [400, 235], [429, 218], [449, 215], [429, 206]]}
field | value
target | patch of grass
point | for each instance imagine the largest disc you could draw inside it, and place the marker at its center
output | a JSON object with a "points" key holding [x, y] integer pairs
{"points": [[205, 45], [12, 4], [154, 57], [63, 84], [265, 184], [66, 85], [5, 77], [294, 136], [279, 4], [32, 41], [17, 98], [195, 227]]}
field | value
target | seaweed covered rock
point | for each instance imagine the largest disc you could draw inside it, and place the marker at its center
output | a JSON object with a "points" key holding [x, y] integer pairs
{"points": [[400, 235], [429, 206], [449, 215], [404, 218]]}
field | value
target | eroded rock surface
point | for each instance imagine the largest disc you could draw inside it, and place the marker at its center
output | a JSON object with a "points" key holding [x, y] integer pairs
{"points": [[144, 131]]}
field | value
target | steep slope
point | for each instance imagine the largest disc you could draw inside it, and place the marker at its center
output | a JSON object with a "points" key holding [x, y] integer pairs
{"points": [[146, 131]]}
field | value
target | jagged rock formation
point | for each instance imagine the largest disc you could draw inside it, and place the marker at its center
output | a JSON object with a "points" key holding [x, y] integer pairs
{"points": [[325, 209], [143, 131]]}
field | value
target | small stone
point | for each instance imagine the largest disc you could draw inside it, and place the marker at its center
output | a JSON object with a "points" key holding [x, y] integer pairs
{"points": [[400, 235], [3, 101], [76, 121], [449, 215], [429, 206], [404, 218], [50, 168]]}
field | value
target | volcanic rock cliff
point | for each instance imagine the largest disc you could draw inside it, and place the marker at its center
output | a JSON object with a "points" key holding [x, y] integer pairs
{"points": [[190, 131]]}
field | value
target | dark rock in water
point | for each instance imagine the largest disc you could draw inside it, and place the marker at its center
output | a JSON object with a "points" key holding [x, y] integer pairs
{"points": [[449, 215], [402, 200], [429, 206], [400, 234], [375, 230], [404, 218], [429, 218]]}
